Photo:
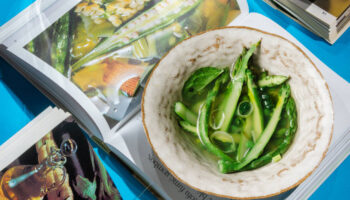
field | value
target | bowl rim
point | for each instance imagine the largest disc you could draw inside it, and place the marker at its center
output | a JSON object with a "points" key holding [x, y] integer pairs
{"points": [[213, 193]]}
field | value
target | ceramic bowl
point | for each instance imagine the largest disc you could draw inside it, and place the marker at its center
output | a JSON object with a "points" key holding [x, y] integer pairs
{"points": [[220, 48]]}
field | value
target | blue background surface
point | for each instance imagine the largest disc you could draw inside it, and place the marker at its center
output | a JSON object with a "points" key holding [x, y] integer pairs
{"points": [[21, 102]]}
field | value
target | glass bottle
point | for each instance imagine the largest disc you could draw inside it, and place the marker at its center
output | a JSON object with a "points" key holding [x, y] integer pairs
{"points": [[29, 182]]}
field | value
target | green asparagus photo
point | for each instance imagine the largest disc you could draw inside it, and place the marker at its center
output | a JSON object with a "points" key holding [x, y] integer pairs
{"points": [[243, 116], [107, 48], [155, 18]]}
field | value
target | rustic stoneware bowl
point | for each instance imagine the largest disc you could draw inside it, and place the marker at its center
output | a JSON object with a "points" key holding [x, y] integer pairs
{"points": [[220, 48]]}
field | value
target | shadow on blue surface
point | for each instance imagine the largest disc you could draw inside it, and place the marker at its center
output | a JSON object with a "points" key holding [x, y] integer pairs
{"points": [[23, 91]]}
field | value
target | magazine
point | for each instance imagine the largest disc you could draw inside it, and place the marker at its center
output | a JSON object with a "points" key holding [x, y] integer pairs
{"points": [[55, 161], [328, 19], [92, 58]]}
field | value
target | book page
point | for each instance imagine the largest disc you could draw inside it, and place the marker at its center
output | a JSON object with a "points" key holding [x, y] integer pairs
{"points": [[313, 9], [59, 163], [334, 7], [102, 53]]}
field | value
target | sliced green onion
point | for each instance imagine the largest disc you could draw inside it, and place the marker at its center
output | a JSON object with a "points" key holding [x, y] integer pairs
{"points": [[224, 141], [216, 119], [245, 108]]}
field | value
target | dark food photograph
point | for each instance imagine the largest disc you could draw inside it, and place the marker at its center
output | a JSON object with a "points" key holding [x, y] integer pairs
{"points": [[60, 166]]}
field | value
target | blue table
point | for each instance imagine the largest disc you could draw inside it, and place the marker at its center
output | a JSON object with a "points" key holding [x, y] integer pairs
{"points": [[21, 102]]}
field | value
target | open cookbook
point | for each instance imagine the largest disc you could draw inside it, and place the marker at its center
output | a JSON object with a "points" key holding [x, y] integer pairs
{"points": [[92, 58]]}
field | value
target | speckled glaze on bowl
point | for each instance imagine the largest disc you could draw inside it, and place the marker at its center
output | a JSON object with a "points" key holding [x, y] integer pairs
{"points": [[220, 48]]}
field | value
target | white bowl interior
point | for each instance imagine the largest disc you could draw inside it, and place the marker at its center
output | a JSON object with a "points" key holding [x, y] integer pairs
{"points": [[220, 48]]}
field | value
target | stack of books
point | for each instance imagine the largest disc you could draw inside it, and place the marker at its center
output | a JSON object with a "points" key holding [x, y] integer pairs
{"points": [[328, 19]]}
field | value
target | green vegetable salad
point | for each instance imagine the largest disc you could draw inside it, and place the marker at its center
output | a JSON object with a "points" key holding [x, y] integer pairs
{"points": [[244, 117]]}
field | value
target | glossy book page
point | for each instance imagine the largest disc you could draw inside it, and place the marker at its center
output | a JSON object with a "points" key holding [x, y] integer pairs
{"points": [[107, 48], [61, 165]]}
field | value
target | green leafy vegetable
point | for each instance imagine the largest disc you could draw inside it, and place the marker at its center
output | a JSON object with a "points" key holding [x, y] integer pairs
{"points": [[199, 80]]}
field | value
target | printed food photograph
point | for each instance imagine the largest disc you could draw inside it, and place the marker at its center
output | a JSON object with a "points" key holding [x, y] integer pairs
{"points": [[245, 114], [60, 166], [108, 47]]}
